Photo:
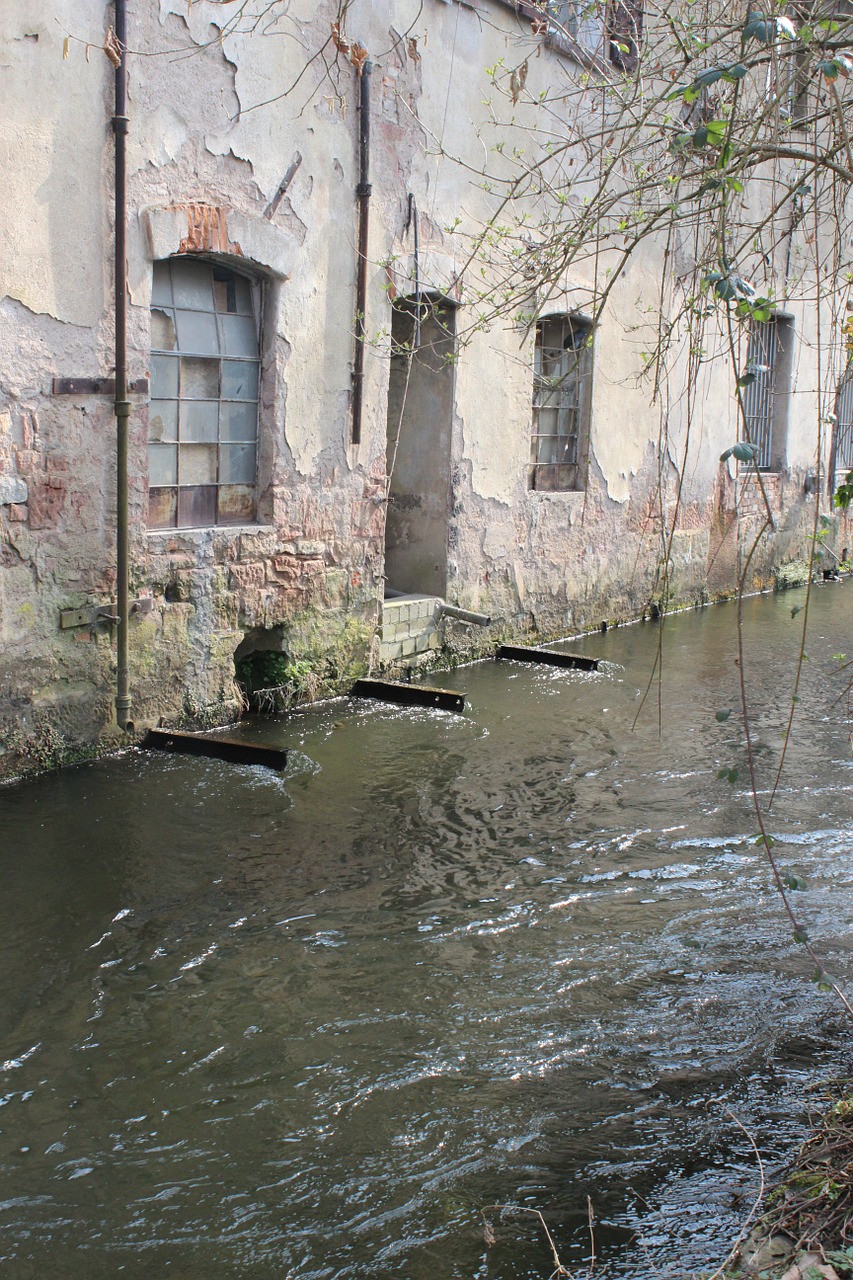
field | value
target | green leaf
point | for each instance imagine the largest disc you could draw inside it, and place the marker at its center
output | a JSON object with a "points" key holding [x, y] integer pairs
{"points": [[709, 77], [795, 883], [722, 716], [746, 380], [728, 775], [800, 934], [798, 608], [738, 71], [700, 137], [744, 452]]}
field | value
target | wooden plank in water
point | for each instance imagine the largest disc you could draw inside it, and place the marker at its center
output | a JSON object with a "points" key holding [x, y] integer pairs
{"points": [[519, 653], [234, 750], [409, 695]]}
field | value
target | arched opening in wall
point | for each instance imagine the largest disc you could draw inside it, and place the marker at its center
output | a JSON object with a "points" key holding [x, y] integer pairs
{"points": [[419, 435], [268, 678]]}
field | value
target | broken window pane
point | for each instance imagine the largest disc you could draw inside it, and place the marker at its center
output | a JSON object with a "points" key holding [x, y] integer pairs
{"points": [[163, 420], [162, 331]]}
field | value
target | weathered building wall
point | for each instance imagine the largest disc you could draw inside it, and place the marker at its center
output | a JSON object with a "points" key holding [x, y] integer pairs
{"points": [[270, 189]]}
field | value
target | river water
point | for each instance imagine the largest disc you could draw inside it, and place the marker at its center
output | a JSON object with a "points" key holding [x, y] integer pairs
{"points": [[315, 1025]]}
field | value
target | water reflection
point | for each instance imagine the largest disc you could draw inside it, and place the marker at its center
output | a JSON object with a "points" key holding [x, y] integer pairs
{"points": [[314, 1024]]}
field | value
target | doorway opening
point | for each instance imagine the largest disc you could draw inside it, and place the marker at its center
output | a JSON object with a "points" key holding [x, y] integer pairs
{"points": [[420, 423]]}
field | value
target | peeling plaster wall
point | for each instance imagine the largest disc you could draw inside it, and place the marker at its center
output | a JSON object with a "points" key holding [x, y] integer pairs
{"points": [[271, 188]]}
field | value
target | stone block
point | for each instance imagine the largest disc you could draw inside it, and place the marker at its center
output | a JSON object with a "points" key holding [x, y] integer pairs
{"points": [[407, 648], [12, 489], [46, 499]]}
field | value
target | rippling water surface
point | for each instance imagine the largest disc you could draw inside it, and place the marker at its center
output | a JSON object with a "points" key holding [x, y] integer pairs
{"points": [[314, 1025]]}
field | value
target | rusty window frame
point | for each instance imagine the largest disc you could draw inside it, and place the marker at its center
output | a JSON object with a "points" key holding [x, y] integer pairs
{"points": [[562, 376], [205, 393]]}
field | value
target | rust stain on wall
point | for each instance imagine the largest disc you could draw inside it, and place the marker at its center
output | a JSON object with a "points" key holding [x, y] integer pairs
{"points": [[207, 230]]}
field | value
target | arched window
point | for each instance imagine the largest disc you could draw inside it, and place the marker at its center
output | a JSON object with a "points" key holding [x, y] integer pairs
{"points": [[203, 412]]}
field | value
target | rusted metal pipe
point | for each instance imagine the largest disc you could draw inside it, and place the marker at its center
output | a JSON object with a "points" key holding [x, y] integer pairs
{"points": [[363, 192], [122, 404], [465, 615]]}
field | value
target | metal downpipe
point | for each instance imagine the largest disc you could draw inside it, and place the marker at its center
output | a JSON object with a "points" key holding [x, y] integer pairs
{"points": [[363, 192], [122, 404]]}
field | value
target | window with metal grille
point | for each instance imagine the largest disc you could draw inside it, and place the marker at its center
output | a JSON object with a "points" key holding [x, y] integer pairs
{"points": [[561, 398], [765, 398], [203, 411], [844, 422], [610, 28]]}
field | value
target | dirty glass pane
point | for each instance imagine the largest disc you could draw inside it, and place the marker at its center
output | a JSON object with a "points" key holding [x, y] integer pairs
{"points": [[238, 421], [239, 380], [239, 335], [236, 504], [197, 506], [164, 377], [199, 420], [163, 420], [162, 331], [199, 379], [162, 508], [198, 464], [197, 332], [192, 285], [162, 464], [161, 289], [237, 464]]}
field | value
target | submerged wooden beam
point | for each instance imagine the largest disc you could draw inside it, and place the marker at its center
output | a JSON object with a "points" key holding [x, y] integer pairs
{"points": [[234, 750], [409, 695], [519, 653]]}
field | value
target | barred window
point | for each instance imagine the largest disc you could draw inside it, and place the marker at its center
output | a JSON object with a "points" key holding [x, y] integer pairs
{"points": [[844, 422], [765, 398], [561, 403], [602, 28], [203, 411]]}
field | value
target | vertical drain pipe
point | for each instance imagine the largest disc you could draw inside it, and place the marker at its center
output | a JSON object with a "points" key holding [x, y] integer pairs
{"points": [[122, 404], [363, 192]]}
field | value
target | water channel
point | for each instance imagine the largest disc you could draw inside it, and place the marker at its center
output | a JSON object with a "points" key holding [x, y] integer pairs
{"points": [[311, 1025]]}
